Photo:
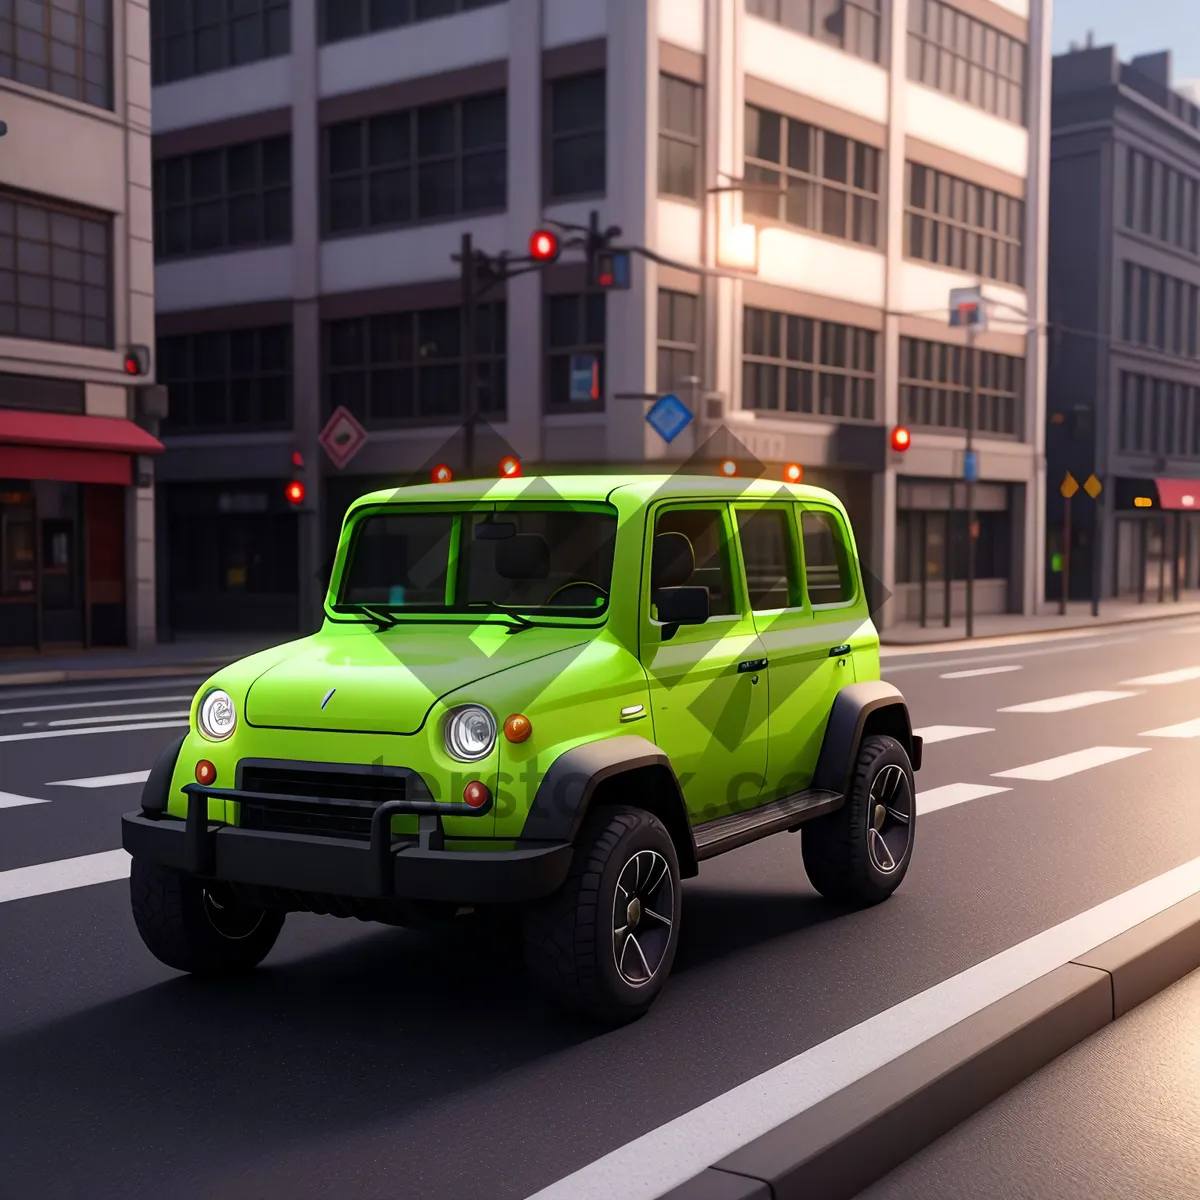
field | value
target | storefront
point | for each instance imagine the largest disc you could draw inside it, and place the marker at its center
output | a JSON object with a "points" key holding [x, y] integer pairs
{"points": [[1157, 538], [65, 519]]}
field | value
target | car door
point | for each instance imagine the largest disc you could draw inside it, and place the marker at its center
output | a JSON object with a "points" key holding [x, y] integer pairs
{"points": [[795, 645], [708, 691]]}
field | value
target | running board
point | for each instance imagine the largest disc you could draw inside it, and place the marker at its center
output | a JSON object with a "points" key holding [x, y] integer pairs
{"points": [[740, 829]]}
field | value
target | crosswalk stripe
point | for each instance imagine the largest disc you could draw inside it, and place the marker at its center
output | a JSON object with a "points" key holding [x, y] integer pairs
{"points": [[20, 883], [103, 781], [1058, 704], [981, 671], [1063, 765], [1185, 729], [9, 800], [1182, 675], [57, 733], [954, 793], [945, 733]]}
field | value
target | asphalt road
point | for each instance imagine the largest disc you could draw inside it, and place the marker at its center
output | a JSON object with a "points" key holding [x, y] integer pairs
{"points": [[379, 1062]]}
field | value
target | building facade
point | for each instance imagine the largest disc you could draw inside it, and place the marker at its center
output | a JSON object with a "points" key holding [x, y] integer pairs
{"points": [[316, 167], [1124, 295], [76, 294]]}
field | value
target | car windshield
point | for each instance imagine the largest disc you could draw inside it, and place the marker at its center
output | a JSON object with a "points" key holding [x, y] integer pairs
{"points": [[555, 560]]}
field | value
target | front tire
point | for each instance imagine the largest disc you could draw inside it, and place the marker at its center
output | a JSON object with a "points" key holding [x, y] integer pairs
{"points": [[602, 946], [859, 854], [192, 926]]}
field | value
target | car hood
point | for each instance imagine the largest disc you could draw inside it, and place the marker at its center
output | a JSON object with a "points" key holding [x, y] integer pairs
{"points": [[359, 681]]}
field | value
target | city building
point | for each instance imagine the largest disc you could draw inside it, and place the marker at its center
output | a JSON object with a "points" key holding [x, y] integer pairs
{"points": [[1123, 381], [318, 163], [76, 327]]}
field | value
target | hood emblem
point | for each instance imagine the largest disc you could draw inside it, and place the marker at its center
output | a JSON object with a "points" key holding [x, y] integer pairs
{"points": [[328, 697]]}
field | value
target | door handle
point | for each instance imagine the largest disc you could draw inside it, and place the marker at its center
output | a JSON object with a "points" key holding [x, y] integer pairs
{"points": [[838, 651], [752, 664]]}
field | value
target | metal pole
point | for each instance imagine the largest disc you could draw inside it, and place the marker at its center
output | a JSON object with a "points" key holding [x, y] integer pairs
{"points": [[1066, 557], [947, 560], [1162, 558], [468, 353], [1143, 557], [971, 367], [924, 565], [1175, 558], [1097, 545]]}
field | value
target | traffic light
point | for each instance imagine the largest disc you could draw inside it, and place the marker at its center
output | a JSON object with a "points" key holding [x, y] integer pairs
{"points": [[793, 473], [901, 439], [137, 360], [510, 467], [441, 474], [543, 246], [295, 490], [728, 468], [611, 270]]}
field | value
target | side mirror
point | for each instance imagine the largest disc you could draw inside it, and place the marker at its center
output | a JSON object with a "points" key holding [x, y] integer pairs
{"points": [[681, 606]]}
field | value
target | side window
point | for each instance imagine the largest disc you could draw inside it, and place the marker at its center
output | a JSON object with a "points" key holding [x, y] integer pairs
{"points": [[827, 567], [771, 576], [704, 530]]}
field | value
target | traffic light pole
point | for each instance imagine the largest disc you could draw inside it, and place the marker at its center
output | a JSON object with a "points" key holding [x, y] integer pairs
{"points": [[972, 367], [467, 333]]}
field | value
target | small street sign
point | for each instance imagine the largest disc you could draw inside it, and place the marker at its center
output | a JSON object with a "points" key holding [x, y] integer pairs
{"points": [[1070, 486], [343, 437], [967, 308], [668, 417], [970, 466], [1093, 486], [585, 377]]}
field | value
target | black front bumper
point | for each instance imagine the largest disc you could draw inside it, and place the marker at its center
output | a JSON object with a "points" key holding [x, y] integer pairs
{"points": [[376, 870]]}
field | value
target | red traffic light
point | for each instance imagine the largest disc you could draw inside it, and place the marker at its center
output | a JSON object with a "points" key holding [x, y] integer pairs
{"points": [[297, 459], [901, 439], [295, 492], [137, 360], [793, 473], [441, 474], [729, 468], [543, 246], [510, 467]]}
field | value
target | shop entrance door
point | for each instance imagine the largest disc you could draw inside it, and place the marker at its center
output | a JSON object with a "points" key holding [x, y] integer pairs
{"points": [[59, 563]]}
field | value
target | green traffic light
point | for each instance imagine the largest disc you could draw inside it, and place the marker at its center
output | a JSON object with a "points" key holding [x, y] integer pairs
{"points": [[1056, 564]]}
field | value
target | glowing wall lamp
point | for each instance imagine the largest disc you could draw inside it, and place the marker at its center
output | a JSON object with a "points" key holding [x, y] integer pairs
{"points": [[737, 248]]}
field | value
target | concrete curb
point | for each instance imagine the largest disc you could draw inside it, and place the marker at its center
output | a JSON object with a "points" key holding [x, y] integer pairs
{"points": [[100, 674], [853, 1138]]}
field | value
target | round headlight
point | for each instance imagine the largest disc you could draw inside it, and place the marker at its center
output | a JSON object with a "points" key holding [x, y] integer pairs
{"points": [[470, 733], [217, 717]]}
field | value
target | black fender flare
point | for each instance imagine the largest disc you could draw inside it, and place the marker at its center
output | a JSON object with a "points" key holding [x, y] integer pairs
{"points": [[843, 734], [564, 794], [155, 791]]}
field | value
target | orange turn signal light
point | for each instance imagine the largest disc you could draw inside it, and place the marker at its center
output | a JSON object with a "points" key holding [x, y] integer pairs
{"points": [[206, 773], [476, 794], [517, 728]]}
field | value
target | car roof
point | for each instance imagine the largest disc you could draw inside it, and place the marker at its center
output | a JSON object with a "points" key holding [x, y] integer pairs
{"points": [[638, 488]]}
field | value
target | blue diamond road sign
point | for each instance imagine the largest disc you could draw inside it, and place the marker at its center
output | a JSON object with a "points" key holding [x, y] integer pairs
{"points": [[668, 417]]}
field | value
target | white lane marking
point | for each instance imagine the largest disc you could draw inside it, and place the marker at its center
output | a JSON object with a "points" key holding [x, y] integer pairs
{"points": [[57, 733], [1185, 729], [667, 1156], [27, 692], [1058, 704], [43, 878], [982, 671], [1071, 764], [103, 781], [39, 708], [9, 800], [945, 733], [1182, 675], [954, 793], [152, 716], [1041, 652]]}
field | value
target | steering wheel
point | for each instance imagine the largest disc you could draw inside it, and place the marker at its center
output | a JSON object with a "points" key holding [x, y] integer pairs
{"points": [[595, 588]]}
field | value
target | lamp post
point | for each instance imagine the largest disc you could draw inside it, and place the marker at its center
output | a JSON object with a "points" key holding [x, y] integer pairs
{"points": [[967, 310]]}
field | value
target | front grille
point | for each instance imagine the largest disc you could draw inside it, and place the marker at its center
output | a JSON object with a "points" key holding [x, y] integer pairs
{"points": [[326, 803]]}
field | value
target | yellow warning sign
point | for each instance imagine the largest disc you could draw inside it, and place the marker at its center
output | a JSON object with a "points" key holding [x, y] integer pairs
{"points": [[1093, 486], [1069, 486]]}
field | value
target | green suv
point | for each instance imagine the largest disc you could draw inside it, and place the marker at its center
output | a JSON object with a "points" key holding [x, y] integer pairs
{"points": [[552, 697]]}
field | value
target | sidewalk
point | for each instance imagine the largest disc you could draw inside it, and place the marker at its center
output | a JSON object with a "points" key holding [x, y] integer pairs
{"points": [[1078, 616]]}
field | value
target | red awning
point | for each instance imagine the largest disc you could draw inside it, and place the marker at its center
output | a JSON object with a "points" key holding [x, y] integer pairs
{"points": [[69, 447], [1179, 493]]}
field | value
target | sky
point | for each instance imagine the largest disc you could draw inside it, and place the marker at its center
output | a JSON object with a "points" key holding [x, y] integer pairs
{"points": [[1135, 27]]}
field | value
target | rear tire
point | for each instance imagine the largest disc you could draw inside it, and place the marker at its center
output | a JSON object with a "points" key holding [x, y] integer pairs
{"points": [[859, 854], [194, 927], [602, 946]]}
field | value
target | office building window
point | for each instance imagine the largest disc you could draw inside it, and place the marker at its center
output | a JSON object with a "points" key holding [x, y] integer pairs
{"points": [[967, 59], [935, 386], [811, 177], [196, 37], [236, 380], [1158, 416], [964, 226], [43, 394], [851, 25], [1161, 201], [223, 199], [800, 365], [678, 343], [1160, 311], [577, 127], [399, 368], [680, 125], [422, 164], [341, 19], [56, 273], [575, 337], [64, 48]]}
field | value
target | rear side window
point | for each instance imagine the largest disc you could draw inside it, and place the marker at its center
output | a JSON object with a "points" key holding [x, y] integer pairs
{"points": [[766, 551], [828, 574]]}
